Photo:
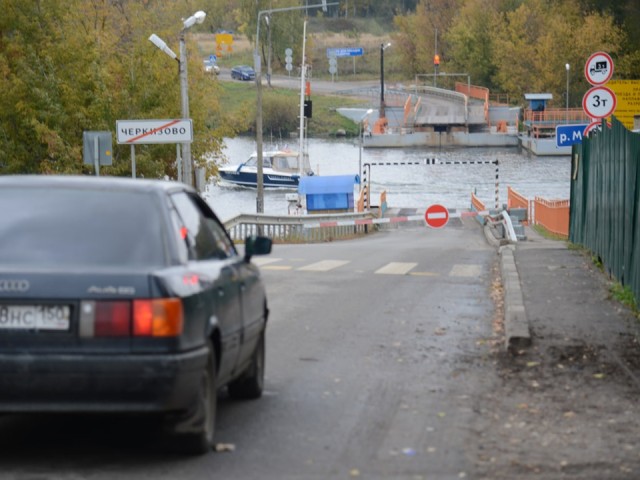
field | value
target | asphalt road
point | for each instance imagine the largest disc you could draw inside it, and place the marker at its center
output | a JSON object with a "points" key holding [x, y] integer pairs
{"points": [[378, 350]]}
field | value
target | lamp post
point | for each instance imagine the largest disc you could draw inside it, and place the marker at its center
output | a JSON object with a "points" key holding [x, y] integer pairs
{"points": [[383, 47], [258, 69], [364, 117], [198, 17], [568, 67]]}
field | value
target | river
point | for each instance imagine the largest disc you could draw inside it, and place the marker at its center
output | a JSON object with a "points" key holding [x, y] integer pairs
{"points": [[407, 186]]}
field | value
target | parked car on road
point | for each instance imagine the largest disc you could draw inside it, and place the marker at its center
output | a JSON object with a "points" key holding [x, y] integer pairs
{"points": [[123, 295], [243, 72]]}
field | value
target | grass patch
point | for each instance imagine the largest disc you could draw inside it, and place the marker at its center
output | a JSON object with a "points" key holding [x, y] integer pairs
{"points": [[624, 295], [240, 98], [547, 234]]}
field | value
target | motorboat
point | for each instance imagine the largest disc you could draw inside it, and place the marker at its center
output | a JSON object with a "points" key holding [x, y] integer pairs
{"points": [[280, 169]]}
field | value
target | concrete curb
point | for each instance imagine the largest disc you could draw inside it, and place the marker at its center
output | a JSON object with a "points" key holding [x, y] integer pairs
{"points": [[516, 323]]}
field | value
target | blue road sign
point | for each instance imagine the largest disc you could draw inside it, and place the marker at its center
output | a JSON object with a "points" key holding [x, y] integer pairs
{"points": [[567, 135], [345, 52]]}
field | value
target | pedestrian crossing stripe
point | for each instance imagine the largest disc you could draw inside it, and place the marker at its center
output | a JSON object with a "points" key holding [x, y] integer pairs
{"points": [[465, 271], [391, 268], [262, 261], [323, 266], [396, 268]]}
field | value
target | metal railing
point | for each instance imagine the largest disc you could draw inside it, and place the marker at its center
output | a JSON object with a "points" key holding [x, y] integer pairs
{"points": [[299, 228]]}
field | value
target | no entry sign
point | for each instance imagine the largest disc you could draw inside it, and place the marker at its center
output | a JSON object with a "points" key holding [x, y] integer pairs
{"points": [[436, 216]]}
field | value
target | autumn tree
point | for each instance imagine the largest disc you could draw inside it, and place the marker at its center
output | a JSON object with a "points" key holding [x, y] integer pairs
{"points": [[418, 33], [76, 65]]}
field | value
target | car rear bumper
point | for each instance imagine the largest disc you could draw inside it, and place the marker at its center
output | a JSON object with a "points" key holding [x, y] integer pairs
{"points": [[99, 383]]}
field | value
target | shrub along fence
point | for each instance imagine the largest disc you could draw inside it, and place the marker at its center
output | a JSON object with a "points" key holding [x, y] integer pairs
{"points": [[605, 201]]}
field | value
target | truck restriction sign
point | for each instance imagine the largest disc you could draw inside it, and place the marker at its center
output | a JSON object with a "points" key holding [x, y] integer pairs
{"points": [[436, 216], [599, 102], [599, 68]]}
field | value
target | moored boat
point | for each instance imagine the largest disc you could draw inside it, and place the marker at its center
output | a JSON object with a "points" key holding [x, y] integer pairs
{"points": [[280, 169]]}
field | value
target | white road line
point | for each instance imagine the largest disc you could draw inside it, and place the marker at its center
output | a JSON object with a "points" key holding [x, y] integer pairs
{"points": [[396, 268], [260, 261], [465, 271], [323, 266]]}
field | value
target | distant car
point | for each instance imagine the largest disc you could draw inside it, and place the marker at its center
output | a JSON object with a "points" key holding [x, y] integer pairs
{"points": [[243, 72], [123, 295], [211, 66]]}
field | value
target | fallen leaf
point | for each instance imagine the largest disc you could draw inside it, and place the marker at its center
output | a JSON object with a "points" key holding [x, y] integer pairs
{"points": [[569, 414], [355, 472], [598, 375], [442, 414], [532, 364]]}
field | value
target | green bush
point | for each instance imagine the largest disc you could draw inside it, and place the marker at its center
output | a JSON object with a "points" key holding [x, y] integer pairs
{"points": [[279, 114]]}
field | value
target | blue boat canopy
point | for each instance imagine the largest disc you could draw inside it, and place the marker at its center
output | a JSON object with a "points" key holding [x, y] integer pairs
{"points": [[327, 184]]}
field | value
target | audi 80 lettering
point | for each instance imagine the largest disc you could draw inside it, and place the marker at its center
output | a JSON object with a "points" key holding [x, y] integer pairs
{"points": [[126, 296]]}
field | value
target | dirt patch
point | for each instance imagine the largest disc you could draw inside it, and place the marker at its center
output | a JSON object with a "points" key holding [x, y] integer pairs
{"points": [[564, 408]]}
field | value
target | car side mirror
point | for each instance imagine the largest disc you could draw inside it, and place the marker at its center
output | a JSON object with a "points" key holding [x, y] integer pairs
{"points": [[256, 245]]}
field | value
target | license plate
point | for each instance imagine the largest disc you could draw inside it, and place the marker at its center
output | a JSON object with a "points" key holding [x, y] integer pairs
{"points": [[34, 317]]}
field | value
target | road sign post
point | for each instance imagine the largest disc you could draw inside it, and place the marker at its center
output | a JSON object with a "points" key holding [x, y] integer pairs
{"points": [[436, 216]]}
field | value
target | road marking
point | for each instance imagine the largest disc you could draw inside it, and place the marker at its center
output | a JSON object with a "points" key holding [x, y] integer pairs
{"points": [[465, 271], [260, 261], [424, 274], [323, 266], [277, 267], [396, 268]]}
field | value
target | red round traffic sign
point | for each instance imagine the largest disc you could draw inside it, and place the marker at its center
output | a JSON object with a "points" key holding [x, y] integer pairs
{"points": [[436, 216], [599, 68], [599, 102], [594, 127]]}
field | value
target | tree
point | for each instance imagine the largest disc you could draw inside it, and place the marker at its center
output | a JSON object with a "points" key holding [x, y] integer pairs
{"points": [[75, 65], [534, 42], [417, 33], [471, 43]]}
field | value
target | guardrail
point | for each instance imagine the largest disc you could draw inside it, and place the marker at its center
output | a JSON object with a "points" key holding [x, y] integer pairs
{"points": [[296, 228]]}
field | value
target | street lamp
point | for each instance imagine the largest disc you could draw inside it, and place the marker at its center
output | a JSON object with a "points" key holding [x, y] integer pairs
{"points": [[364, 117], [568, 67], [198, 17], [383, 47], [258, 69]]}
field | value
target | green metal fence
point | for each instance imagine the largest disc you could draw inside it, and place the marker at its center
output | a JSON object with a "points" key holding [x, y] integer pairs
{"points": [[605, 201]]}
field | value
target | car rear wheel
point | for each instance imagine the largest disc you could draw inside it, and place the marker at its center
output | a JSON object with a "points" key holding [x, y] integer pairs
{"points": [[194, 430], [251, 384]]}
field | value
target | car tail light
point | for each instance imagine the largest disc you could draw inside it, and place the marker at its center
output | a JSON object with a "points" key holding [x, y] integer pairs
{"points": [[113, 319], [140, 318], [157, 318]]}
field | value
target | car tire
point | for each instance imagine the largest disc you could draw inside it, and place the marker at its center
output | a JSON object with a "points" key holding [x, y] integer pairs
{"points": [[193, 431], [250, 384]]}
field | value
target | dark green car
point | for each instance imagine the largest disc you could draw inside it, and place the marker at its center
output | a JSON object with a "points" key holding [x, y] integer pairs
{"points": [[122, 295]]}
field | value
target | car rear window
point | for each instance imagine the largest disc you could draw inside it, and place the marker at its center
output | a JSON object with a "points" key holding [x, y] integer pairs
{"points": [[75, 227]]}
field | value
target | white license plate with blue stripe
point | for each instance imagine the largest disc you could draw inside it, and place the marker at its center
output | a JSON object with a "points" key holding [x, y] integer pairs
{"points": [[35, 317]]}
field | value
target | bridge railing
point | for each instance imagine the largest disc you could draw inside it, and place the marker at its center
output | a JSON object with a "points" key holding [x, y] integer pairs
{"points": [[299, 228]]}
